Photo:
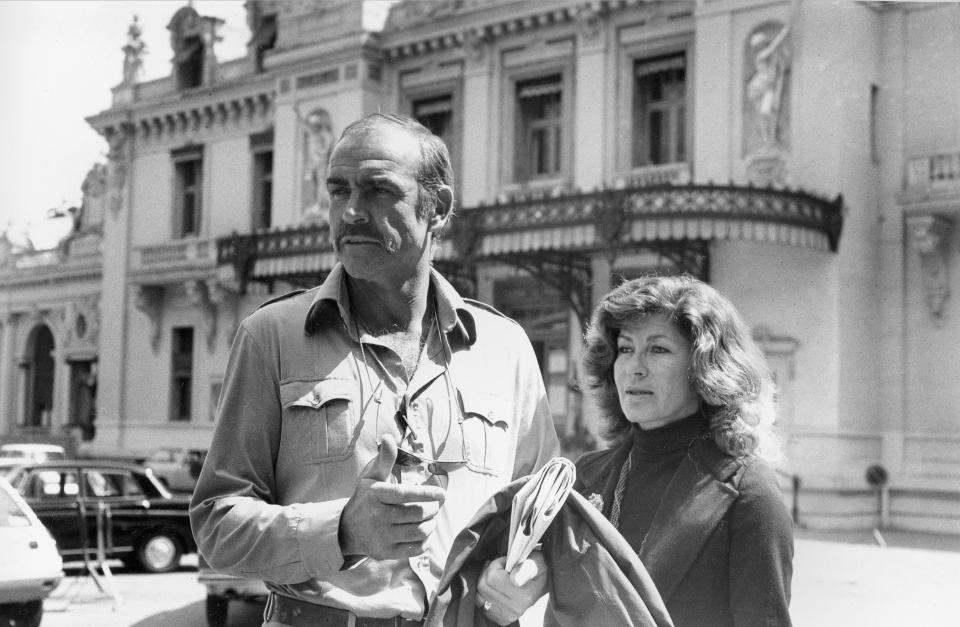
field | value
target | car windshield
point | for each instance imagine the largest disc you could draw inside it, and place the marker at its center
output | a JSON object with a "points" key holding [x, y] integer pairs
{"points": [[10, 513]]}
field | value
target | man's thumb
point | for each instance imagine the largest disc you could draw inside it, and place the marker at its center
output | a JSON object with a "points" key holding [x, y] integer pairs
{"points": [[380, 467]]}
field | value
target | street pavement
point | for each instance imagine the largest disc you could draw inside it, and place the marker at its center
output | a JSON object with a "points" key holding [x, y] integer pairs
{"points": [[842, 579]]}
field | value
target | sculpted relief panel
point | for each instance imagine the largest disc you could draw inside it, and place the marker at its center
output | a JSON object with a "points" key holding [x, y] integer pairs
{"points": [[317, 142], [766, 103]]}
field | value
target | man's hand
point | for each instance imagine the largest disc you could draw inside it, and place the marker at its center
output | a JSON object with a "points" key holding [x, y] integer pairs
{"points": [[386, 520], [509, 595]]}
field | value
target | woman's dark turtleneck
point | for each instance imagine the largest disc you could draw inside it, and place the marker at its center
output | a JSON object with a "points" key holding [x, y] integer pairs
{"points": [[656, 455]]}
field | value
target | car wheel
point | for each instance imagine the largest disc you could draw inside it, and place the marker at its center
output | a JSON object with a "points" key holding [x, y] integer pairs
{"points": [[21, 614], [217, 608], [159, 552]]}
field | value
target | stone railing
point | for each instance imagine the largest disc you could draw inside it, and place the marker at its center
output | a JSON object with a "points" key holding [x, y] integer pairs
{"points": [[174, 254], [665, 174]]}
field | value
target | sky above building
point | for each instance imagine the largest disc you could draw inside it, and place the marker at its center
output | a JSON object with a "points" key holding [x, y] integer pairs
{"points": [[58, 63]]}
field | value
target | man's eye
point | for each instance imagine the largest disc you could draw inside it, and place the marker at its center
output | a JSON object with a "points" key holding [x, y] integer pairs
{"points": [[338, 191], [623, 349]]}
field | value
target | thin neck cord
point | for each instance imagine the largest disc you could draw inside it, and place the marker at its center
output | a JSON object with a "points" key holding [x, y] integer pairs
{"points": [[618, 492], [447, 375], [366, 369]]}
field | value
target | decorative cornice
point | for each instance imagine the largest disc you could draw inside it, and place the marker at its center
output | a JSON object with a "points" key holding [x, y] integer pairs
{"points": [[421, 33], [187, 117], [187, 122], [48, 274]]}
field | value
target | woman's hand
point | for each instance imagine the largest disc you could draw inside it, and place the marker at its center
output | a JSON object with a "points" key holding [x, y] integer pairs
{"points": [[504, 596]]}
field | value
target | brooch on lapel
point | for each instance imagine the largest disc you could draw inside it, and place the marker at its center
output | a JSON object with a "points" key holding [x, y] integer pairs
{"points": [[596, 500]]}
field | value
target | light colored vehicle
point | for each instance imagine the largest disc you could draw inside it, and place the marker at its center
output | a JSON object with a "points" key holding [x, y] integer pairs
{"points": [[221, 589], [176, 468], [33, 452], [31, 567]]}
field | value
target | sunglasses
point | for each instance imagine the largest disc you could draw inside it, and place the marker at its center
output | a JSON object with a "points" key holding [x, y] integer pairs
{"points": [[411, 468]]}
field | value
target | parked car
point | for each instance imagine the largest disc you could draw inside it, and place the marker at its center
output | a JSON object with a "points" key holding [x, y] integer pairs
{"points": [[221, 589], [32, 451], [176, 468], [139, 521], [31, 567]]}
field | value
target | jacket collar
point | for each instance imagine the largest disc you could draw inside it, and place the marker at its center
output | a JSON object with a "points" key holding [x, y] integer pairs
{"points": [[697, 498], [331, 306]]}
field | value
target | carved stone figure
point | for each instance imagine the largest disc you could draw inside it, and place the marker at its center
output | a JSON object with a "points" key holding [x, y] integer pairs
{"points": [[116, 169], [133, 52], [317, 143], [766, 88], [930, 236], [94, 189], [6, 251], [589, 22]]}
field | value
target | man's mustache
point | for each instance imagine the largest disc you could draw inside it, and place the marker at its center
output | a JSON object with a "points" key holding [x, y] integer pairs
{"points": [[352, 230]]}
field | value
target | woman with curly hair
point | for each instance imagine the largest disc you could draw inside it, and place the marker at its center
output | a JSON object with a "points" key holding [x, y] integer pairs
{"points": [[688, 402]]}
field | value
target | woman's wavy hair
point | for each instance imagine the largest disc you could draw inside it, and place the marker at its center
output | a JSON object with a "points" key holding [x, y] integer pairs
{"points": [[727, 369]]}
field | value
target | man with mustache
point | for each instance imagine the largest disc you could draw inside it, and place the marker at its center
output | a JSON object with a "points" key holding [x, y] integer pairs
{"points": [[361, 423]]}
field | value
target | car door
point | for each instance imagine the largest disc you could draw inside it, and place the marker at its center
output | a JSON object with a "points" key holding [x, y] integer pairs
{"points": [[123, 503], [53, 493]]}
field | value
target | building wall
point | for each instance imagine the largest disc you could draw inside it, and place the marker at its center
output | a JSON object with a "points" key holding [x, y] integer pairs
{"points": [[867, 373], [926, 121]]}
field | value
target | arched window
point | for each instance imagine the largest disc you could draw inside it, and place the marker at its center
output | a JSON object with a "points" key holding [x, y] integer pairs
{"points": [[38, 380]]}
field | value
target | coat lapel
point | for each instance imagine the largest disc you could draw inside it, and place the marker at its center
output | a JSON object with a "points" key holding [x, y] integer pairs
{"points": [[598, 477], [697, 498]]}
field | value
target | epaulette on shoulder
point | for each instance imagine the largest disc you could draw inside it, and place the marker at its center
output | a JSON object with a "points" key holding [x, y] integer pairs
{"points": [[281, 297], [484, 306]]}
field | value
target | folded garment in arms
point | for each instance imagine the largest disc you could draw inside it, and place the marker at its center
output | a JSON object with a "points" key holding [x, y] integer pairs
{"points": [[535, 506]]}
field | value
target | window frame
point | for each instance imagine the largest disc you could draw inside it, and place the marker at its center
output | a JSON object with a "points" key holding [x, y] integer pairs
{"points": [[512, 125], [261, 144], [178, 374], [181, 158], [641, 150], [631, 53], [411, 95]]}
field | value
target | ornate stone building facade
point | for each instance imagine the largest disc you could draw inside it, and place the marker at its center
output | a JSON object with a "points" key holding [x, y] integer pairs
{"points": [[804, 157]]}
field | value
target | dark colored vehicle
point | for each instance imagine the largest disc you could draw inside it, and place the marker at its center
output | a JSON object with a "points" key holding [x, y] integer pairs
{"points": [[135, 517]]}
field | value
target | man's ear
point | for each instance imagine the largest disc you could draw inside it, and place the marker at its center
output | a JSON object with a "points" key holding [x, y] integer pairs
{"points": [[441, 213]]}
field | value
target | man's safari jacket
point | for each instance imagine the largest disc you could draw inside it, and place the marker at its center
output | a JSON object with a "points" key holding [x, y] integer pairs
{"points": [[302, 410]]}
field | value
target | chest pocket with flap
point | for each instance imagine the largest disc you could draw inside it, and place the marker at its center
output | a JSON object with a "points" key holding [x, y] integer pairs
{"points": [[487, 437], [319, 420]]}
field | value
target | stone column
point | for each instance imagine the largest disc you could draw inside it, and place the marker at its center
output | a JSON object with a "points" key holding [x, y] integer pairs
{"points": [[480, 98], [8, 413], [590, 108]]}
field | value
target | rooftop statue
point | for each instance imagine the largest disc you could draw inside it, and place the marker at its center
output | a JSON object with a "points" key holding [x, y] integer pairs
{"points": [[133, 52]]}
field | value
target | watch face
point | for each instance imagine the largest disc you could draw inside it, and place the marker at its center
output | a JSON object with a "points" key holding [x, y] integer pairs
{"points": [[80, 326]]}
